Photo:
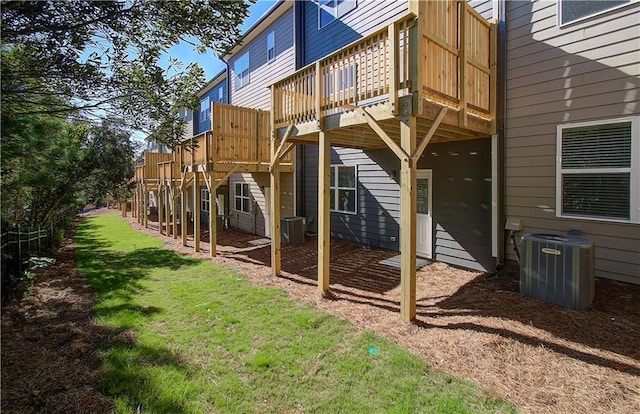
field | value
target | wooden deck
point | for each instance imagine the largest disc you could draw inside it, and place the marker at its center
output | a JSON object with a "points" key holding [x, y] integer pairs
{"points": [[239, 141], [428, 77], [442, 54]]}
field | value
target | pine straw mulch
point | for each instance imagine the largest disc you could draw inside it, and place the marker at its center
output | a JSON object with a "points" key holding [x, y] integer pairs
{"points": [[49, 344], [541, 357]]}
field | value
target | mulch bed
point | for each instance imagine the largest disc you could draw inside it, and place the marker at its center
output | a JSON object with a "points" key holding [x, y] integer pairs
{"points": [[542, 357], [49, 343]]}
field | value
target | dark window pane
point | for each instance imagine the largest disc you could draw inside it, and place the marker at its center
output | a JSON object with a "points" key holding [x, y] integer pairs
{"points": [[332, 177], [347, 177], [423, 195], [597, 146], [332, 199], [245, 205], [597, 195], [577, 9], [347, 201], [238, 204]]}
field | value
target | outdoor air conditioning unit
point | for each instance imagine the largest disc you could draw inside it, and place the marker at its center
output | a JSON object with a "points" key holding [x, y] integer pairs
{"points": [[558, 269], [292, 230]]}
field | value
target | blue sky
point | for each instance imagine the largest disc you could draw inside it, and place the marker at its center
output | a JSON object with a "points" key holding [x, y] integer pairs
{"points": [[208, 61]]}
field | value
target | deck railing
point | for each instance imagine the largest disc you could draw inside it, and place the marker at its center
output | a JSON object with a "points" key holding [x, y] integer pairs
{"points": [[358, 72], [148, 169], [444, 54], [238, 136]]}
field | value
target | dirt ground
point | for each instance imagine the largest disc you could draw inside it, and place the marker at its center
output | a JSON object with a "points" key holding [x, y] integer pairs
{"points": [[542, 357]]}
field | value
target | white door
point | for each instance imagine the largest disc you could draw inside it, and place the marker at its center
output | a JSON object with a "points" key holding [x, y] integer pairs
{"points": [[267, 212], [423, 215]]}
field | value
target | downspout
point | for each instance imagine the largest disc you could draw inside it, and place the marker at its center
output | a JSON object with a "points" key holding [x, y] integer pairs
{"points": [[501, 127]]}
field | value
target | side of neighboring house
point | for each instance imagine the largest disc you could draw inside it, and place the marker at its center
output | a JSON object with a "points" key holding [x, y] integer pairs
{"points": [[265, 53], [214, 91], [454, 182], [573, 125]]}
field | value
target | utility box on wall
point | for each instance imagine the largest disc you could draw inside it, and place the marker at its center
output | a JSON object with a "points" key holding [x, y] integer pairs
{"points": [[558, 269]]}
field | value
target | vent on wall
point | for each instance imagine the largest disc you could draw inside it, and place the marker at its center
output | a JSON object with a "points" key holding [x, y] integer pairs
{"points": [[558, 269]]}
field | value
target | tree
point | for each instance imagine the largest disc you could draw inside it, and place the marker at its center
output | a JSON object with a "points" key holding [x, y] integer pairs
{"points": [[49, 164], [97, 57]]}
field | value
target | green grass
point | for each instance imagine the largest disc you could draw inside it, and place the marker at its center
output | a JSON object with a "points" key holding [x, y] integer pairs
{"points": [[188, 336]]}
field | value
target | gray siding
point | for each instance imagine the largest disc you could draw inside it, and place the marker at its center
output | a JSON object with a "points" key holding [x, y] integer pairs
{"points": [[484, 7], [585, 71], [368, 16], [461, 200], [254, 220], [263, 73]]}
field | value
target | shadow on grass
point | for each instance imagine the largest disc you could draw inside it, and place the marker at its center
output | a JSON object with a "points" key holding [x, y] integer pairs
{"points": [[130, 364]]}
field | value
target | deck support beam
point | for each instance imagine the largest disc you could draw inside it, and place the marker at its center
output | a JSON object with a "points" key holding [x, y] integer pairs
{"points": [[408, 211], [196, 211], [183, 213], [213, 215], [145, 207], [274, 174], [174, 201], [324, 213], [160, 203], [167, 210]]}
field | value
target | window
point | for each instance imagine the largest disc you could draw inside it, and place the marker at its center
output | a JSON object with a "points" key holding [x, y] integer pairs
{"points": [[598, 170], [241, 68], [204, 109], [271, 46], [221, 94], [572, 10], [343, 189], [243, 199], [204, 199], [330, 10]]}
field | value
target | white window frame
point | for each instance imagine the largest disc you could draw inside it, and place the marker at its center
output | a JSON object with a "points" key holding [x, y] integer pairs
{"points": [[334, 168], [634, 170], [336, 11], [242, 196], [562, 23], [204, 113], [271, 46], [241, 69], [204, 199]]}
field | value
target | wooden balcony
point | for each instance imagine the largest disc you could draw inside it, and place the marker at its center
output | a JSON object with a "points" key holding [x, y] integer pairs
{"points": [[147, 171], [428, 77], [240, 140], [442, 54]]}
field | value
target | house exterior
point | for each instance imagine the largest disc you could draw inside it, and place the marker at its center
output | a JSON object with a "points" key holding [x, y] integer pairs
{"points": [[265, 53], [572, 131], [456, 202]]}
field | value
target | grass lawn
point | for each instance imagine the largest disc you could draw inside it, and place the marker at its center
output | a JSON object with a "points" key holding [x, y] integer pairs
{"points": [[189, 336]]}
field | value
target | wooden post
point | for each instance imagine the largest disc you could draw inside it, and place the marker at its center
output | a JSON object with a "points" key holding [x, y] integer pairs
{"points": [[324, 214], [394, 68], [213, 215], [462, 63], [196, 210], [174, 203], [408, 211], [275, 196], [183, 213], [167, 209], [145, 207], [159, 201], [139, 203]]}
